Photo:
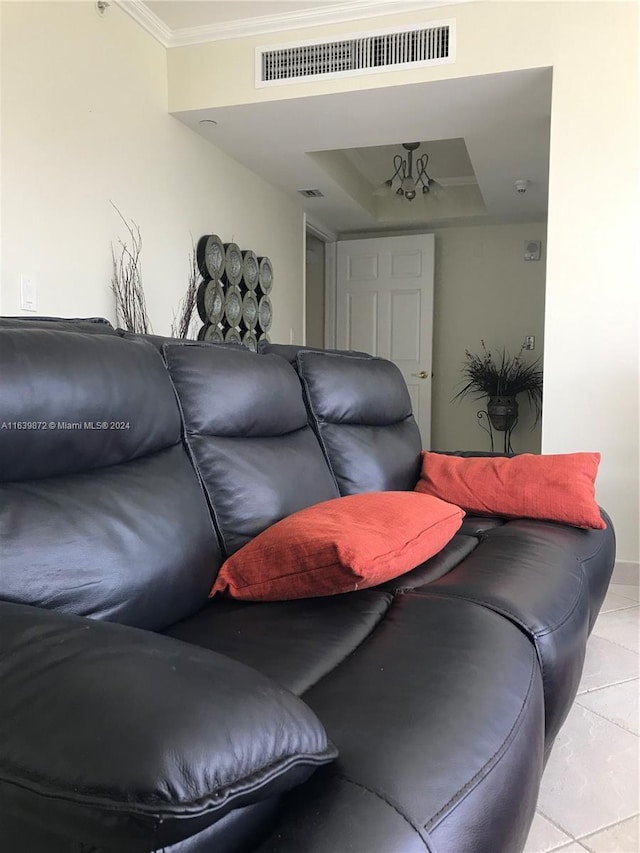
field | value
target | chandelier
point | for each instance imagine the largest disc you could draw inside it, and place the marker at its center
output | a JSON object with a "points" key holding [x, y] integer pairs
{"points": [[403, 182]]}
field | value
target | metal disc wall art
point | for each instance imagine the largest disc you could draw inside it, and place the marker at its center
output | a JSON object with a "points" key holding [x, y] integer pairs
{"points": [[210, 301], [232, 264], [250, 309], [210, 256], [265, 314], [214, 335], [250, 341], [266, 275], [232, 337], [250, 269], [233, 306], [233, 299]]}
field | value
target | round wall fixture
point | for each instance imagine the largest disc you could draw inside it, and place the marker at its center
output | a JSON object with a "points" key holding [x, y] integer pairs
{"points": [[233, 263], [250, 269], [210, 256], [266, 275], [210, 301]]}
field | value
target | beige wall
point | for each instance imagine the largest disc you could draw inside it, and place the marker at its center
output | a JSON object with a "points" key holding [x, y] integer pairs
{"points": [[593, 260], [484, 289], [314, 283], [84, 121]]}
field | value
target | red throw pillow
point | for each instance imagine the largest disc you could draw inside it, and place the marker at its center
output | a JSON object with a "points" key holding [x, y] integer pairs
{"points": [[551, 488], [338, 546]]}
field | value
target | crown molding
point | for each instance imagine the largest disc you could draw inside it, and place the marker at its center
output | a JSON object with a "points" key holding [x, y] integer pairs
{"points": [[147, 19], [336, 13]]}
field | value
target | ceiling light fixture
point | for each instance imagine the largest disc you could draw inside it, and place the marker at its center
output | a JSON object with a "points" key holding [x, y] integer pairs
{"points": [[403, 182]]}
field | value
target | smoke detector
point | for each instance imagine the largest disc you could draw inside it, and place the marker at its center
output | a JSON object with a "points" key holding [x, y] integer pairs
{"points": [[522, 186]]}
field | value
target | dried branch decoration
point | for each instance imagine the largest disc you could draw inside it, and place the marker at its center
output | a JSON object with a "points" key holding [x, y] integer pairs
{"points": [[181, 324], [126, 281]]}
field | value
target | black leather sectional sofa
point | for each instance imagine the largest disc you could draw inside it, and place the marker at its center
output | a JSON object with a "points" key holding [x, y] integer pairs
{"points": [[138, 715]]}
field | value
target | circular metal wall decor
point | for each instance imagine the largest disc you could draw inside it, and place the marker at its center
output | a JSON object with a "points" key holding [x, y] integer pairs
{"points": [[266, 274], [250, 341], [250, 310], [210, 256], [210, 301], [232, 264], [250, 269], [233, 305], [265, 314], [264, 337], [232, 337], [214, 334], [202, 331]]}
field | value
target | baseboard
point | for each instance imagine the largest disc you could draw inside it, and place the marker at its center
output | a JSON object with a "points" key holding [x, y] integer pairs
{"points": [[626, 572]]}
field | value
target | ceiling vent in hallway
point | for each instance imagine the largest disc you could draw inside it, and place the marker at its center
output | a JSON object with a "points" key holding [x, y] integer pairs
{"points": [[383, 50], [311, 193]]}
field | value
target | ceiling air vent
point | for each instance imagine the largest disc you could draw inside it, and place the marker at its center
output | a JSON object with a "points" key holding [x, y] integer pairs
{"points": [[384, 50], [311, 193]]}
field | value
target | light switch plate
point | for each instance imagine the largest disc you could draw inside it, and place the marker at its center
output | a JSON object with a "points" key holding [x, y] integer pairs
{"points": [[28, 293]]}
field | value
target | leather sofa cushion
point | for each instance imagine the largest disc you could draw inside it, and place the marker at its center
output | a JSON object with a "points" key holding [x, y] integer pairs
{"points": [[294, 642], [361, 411], [438, 719], [553, 487], [89, 519], [595, 549], [135, 741], [246, 426], [348, 543], [531, 579], [436, 567]]}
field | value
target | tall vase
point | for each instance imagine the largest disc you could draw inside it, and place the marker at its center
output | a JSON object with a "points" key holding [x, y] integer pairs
{"points": [[503, 412]]}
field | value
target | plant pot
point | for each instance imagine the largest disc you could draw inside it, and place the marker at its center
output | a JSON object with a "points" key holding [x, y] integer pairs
{"points": [[503, 412]]}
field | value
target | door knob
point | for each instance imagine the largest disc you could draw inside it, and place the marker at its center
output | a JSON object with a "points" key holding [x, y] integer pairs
{"points": [[422, 375]]}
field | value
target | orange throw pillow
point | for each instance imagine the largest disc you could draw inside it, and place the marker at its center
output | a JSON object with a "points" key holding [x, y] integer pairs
{"points": [[557, 487], [339, 546]]}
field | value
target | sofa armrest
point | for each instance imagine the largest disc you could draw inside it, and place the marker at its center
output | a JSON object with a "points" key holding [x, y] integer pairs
{"points": [[132, 741]]}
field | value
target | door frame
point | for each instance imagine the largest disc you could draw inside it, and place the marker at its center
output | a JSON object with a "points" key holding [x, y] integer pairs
{"points": [[330, 239]]}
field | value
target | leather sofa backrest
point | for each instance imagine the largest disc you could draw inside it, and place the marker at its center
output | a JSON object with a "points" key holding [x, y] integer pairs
{"points": [[101, 512], [361, 411], [290, 351], [246, 426], [89, 325]]}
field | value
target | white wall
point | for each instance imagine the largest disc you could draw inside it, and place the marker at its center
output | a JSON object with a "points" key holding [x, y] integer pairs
{"points": [[85, 121], [484, 289], [593, 260]]}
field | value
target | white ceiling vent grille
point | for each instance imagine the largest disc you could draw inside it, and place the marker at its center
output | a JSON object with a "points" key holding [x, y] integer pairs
{"points": [[365, 53], [311, 193]]}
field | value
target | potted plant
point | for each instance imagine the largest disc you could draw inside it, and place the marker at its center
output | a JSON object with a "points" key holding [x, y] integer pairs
{"points": [[501, 379]]}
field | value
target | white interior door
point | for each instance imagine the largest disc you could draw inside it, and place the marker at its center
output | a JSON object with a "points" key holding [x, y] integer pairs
{"points": [[384, 306]]}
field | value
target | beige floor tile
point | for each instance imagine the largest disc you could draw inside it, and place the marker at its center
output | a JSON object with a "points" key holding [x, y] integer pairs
{"points": [[544, 836], [625, 589], [622, 838], [614, 601], [591, 780], [618, 703], [574, 847], [621, 627], [605, 663]]}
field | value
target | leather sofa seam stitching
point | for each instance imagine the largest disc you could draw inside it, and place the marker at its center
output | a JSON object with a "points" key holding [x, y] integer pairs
{"points": [[388, 595], [420, 830], [491, 762]]}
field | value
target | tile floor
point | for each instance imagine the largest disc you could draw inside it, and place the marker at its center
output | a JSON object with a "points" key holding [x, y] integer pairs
{"points": [[589, 799]]}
